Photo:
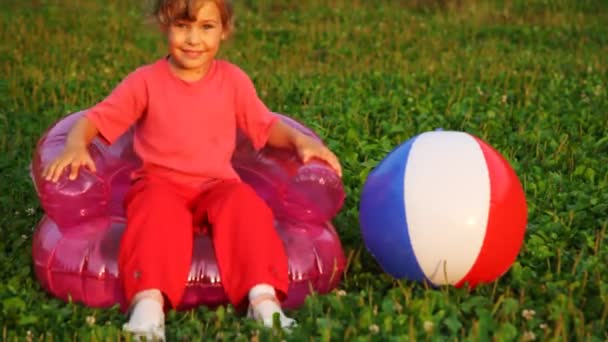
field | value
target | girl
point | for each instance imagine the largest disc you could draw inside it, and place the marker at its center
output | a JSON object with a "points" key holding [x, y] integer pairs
{"points": [[186, 108]]}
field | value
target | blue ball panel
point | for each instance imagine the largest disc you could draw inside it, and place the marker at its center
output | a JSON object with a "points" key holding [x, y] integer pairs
{"points": [[382, 216]]}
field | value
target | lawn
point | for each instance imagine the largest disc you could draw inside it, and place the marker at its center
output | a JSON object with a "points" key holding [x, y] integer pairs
{"points": [[528, 77]]}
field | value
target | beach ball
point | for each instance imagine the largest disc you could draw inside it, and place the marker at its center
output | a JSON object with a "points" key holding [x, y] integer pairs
{"points": [[443, 208]]}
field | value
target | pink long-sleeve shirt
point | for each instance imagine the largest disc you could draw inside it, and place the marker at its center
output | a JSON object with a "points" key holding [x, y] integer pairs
{"points": [[185, 131]]}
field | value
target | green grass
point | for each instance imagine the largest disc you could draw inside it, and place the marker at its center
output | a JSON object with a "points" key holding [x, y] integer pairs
{"points": [[529, 77]]}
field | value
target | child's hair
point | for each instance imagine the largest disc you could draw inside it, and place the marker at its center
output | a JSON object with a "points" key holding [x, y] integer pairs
{"points": [[167, 11]]}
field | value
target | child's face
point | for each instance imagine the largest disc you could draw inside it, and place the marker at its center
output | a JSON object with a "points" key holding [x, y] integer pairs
{"points": [[194, 44]]}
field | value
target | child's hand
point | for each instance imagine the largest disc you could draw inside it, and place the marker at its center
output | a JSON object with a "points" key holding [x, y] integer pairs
{"points": [[308, 148], [73, 156]]}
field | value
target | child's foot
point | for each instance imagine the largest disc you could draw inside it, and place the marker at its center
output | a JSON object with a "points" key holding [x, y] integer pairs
{"points": [[263, 304], [147, 319]]}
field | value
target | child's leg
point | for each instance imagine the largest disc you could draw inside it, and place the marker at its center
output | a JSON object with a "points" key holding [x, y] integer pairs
{"points": [[155, 250], [248, 249]]}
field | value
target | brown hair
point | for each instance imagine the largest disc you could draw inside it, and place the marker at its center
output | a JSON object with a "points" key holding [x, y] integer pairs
{"points": [[167, 11]]}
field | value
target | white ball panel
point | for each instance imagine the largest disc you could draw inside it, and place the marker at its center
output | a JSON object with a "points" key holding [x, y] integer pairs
{"points": [[447, 198]]}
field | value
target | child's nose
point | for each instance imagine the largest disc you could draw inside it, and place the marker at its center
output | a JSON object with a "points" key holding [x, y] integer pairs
{"points": [[193, 37]]}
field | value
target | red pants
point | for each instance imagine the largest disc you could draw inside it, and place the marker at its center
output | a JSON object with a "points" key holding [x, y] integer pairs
{"points": [[156, 248]]}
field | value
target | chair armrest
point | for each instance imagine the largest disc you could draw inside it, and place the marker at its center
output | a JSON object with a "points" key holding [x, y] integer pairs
{"points": [[72, 202], [311, 192]]}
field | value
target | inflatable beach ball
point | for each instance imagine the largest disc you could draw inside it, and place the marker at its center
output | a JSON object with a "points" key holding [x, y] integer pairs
{"points": [[446, 208]]}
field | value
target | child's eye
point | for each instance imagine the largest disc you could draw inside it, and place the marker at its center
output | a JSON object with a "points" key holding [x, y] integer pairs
{"points": [[208, 27], [180, 24]]}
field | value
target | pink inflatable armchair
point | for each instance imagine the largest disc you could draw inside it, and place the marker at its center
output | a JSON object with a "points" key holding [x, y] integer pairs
{"points": [[75, 246]]}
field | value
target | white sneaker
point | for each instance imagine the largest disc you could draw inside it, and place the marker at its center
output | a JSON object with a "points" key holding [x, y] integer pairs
{"points": [[154, 332], [146, 317], [286, 322]]}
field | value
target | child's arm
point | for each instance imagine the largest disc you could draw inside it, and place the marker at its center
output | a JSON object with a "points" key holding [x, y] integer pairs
{"points": [[75, 153], [263, 128], [284, 136], [109, 119]]}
